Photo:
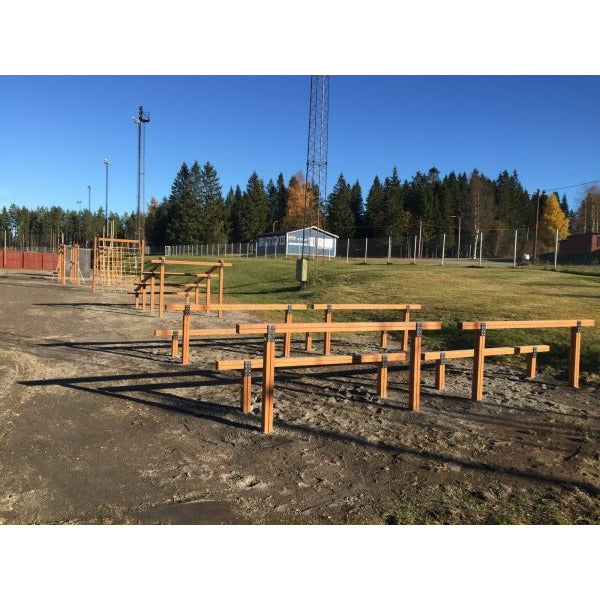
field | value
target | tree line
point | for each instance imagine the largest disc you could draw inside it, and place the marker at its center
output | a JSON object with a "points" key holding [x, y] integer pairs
{"points": [[196, 211]]}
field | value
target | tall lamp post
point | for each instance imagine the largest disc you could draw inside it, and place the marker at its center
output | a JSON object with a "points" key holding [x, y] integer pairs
{"points": [[106, 163], [458, 246]]}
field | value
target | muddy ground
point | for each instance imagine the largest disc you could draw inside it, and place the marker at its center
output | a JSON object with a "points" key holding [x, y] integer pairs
{"points": [[99, 425]]}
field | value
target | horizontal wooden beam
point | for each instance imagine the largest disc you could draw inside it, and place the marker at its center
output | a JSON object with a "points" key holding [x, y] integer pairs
{"points": [[196, 332], [191, 263], [365, 306], [474, 325], [337, 327], [229, 307], [469, 353], [312, 361], [138, 242]]}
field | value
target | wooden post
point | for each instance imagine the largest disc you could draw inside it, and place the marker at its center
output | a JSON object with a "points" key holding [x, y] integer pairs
{"points": [[185, 337], [152, 292], [144, 296], [347, 249], [443, 249], [574, 355], [161, 287], [196, 293], [440, 372], [532, 364], [309, 345], [478, 361], [221, 276], [175, 344], [515, 250], [246, 399], [268, 380], [382, 377], [405, 332], [327, 336], [207, 295], [384, 339], [142, 250], [414, 392], [287, 339]]}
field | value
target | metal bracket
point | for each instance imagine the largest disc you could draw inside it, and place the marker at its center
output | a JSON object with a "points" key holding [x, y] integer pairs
{"points": [[247, 368], [579, 327], [482, 329], [442, 358], [329, 309], [407, 309], [186, 310], [384, 360], [175, 335], [418, 329], [290, 309], [270, 333], [534, 351]]}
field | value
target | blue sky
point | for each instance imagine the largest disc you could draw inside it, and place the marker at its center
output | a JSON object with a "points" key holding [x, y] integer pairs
{"points": [[55, 131]]}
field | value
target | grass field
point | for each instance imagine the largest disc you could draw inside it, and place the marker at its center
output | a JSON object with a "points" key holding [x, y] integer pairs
{"points": [[449, 294]]}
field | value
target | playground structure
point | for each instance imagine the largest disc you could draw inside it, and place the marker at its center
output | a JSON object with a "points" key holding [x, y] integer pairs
{"points": [[118, 263], [155, 280], [185, 333]]}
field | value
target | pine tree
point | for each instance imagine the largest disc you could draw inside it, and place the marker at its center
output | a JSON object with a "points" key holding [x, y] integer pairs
{"points": [[341, 220], [255, 215], [185, 215], [214, 212], [356, 205], [375, 213]]}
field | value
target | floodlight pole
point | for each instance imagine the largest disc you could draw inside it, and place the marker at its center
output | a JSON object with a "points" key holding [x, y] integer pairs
{"points": [[106, 163]]}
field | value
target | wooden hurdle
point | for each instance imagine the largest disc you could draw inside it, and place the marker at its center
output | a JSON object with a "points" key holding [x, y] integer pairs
{"points": [[185, 337], [481, 327], [247, 366], [441, 357], [329, 308], [270, 331]]}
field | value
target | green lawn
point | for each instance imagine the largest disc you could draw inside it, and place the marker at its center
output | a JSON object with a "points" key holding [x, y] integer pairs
{"points": [[449, 294]]}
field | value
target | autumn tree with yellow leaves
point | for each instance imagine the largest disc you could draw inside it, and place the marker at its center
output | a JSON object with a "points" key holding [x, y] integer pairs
{"points": [[299, 195], [553, 218]]}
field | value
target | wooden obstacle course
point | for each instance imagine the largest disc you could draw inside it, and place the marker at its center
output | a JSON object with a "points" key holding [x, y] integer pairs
{"points": [[201, 281], [186, 332], [247, 366], [330, 308], [442, 356], [118, 263], [269, 361], [481, 327]]}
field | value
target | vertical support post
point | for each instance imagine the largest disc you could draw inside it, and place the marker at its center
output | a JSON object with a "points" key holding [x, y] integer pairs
{"points": [[185, 336], [440, 372], [382, 377], [221, 283], [556, 251], [366, 246], [197, 292], [144, 297], [347, 248], [268, 380], [405, 332], [515, 250], [142, 250], [443, 248], [384, 339], [480, 247], [415, 252], [327, 336], [152, 292], [308, 342], [478, 361], [287, 338], [389, 257], [94, 263], [175, 344], [414, 393], [574, 355], [246, 399], [161, 288], [208, 294], [532, 364]]}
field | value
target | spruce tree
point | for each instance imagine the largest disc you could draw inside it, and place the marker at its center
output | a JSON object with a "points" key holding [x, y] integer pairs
{"points": [[214, 212], [340, 217]]}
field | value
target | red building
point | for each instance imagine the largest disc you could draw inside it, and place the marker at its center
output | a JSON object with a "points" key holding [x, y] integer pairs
{"points": [[580, 243]]}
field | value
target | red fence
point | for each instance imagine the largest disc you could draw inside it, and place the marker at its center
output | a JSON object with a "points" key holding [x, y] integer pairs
{"points": [[38, 261]]}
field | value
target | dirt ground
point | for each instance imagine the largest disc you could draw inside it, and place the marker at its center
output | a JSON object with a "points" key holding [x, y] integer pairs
{"points": [[99, 425]]}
